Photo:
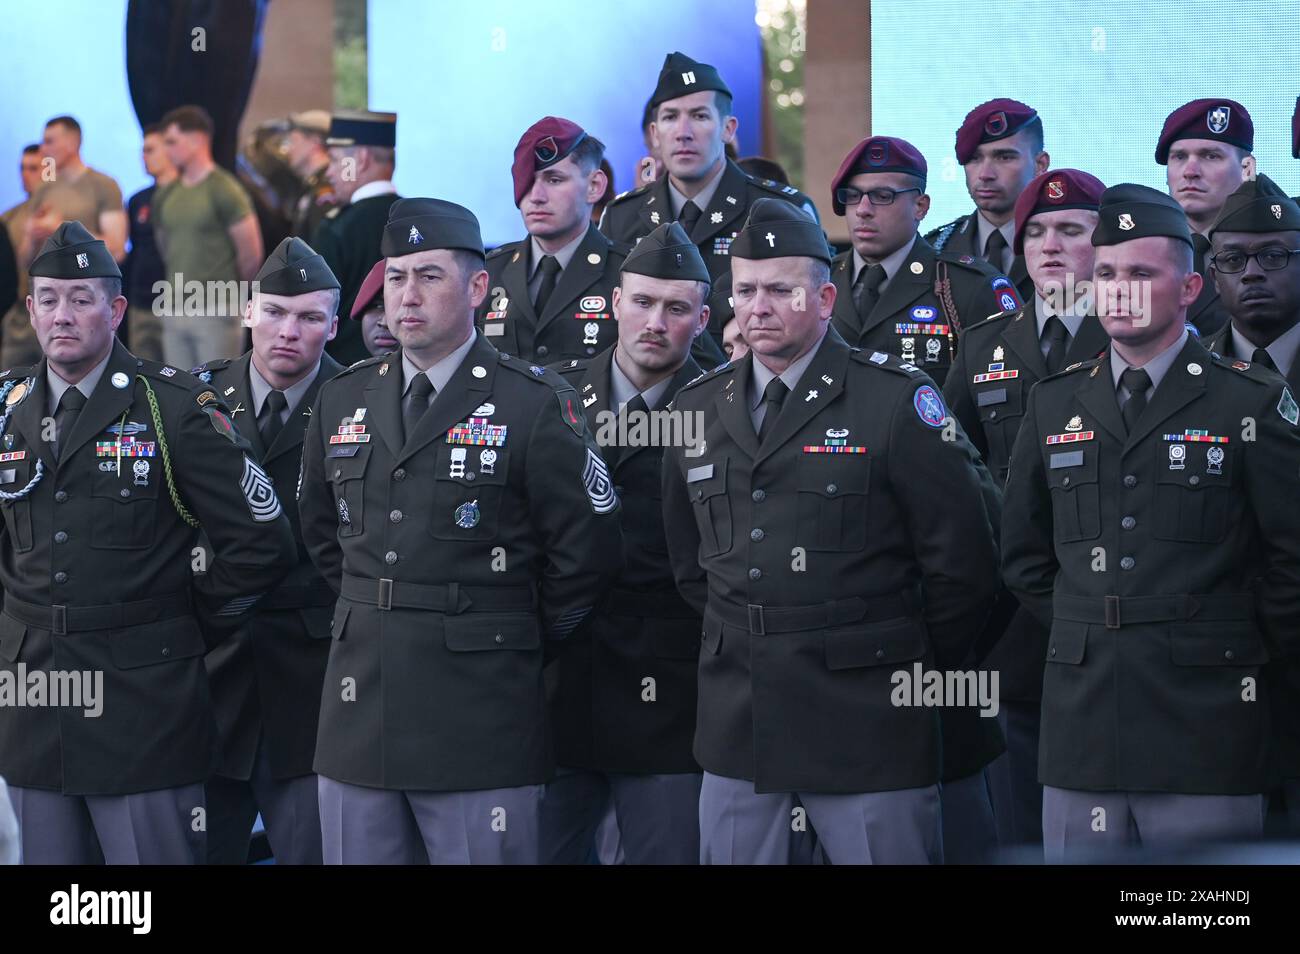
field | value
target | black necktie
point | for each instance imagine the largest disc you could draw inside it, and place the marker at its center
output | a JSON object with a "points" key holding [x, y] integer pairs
{"points": [[773, 397], [1057, 337], [1200, 245], [635, 406], [1138, 383], [417, 402], [1263, 357], [550, 267], [690, 215], [269, 423], [65, 417], [866, 292], [994, 248]]}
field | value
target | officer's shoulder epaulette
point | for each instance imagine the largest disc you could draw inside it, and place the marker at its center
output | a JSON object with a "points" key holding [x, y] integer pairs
{"points": [[570, 368], [970, 262], [992, 321], [1092, 366], [1247, 369], [364, 362], [725, 368], [16, 373], [885, 361], [187, 380], [621, 250], [217, 364], [771, 185], [534, 372], [939, 237], [631, 193], [503, 250]]}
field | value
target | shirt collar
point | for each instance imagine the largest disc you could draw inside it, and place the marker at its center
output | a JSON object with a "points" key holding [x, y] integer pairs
{"points": [[1156, 368], [440, 373], [260, 388], [763, 374], [372, 189], [563, 256], [623, 390], [891, 262], [1072, 317], [702, 198], [86, 385], [984, 228], [1282, 349]]}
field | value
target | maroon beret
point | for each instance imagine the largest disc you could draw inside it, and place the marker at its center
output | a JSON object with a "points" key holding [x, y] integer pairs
{"points": [[989, 122], [545, 143], [1052, 190], [1223, 120], [371, 286], [878, 154], [1295, 130]]}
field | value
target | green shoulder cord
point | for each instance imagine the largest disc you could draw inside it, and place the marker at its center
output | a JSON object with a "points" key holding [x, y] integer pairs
{"points": [[166, 457]]}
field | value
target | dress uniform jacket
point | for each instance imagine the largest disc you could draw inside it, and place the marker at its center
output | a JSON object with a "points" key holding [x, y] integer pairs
{"points": [[578, 320], [1168, 566], [451, 568], [642, 629], [821, 574], [961, 237], [924, 308], [998, 361], [1207, 314], [266, 680], [1283, 672], [636, 213], [96, 564], [348, 240]]}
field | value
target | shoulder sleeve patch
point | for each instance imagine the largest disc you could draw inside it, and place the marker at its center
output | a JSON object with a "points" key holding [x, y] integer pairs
{"points": [[1287, 407], [571, 410], [929, 406]]}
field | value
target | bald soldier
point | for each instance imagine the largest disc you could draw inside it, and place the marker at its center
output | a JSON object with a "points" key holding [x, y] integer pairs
{"points": [[703, 190], [1145, 523], [1205, 146], [834, 534], [1000, 149], [1256, 266], [266, 679], [894, 292], [998, 362], [624, 699], [97, 558], [456, 500]]}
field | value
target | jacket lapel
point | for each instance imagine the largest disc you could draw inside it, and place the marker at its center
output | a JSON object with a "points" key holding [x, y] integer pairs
{"points": [[732, 404], [290, 436], [462, 395], [107, 404], [657, 208], [515, 278], [27, 416], [1097, 395], [579, 275], [844, 311], [1178, 388], [730, 186], [383, 396], [243, 412], [687, 372], [1021, 335], [595, 388], [906, 286], [820, 384]]}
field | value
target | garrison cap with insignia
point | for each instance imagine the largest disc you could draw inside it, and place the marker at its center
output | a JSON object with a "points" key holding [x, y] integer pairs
{"points": [[667, 252], [1129, 211], [418, 225], [776, 229], [294, 268], [1223, 120], [681, 76], [721, 307], [543, 144], [371, 288], [1053, 190], [989, 122], [360, 127], [878, 154], [72, 252], [1258, 205]]}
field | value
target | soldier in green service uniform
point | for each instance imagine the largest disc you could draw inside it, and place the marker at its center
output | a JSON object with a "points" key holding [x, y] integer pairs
{"points": [[101, 513], [894, 292]]}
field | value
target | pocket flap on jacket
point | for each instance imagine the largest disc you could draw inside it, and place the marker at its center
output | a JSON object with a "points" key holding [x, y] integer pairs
{"points": [[1216, 644], [168, 640], [876, 644], [476, 632], [1068, 642], [712, 634]]}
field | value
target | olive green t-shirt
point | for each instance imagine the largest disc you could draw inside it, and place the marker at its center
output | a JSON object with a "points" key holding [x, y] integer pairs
{"points": [[191, 223], [80, 199]]}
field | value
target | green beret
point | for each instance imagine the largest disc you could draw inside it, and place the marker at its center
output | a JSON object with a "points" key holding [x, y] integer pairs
{"points": [[420, 225], [72, 252], [1258, 205], [1129, 211], [667, 252], [775, 228], [294, 268]]}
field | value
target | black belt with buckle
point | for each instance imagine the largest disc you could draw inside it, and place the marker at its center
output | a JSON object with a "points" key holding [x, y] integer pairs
{"points": [[62, 619], [762, 620], [450, 598], [1114, 612]]}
